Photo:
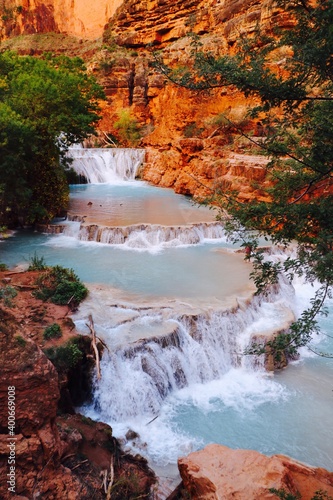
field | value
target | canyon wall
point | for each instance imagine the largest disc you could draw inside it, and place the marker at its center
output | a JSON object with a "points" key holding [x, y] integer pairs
{"points": [[74, 17], [189, 148]]}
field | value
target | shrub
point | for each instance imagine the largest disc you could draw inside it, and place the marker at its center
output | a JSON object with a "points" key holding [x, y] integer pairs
{"points": [[192, 130], [61, 286], [106, 65], [52, 332], [7, 293], [3, 267], [66, 356], [128, 128], [20, 340], [37, 263]]}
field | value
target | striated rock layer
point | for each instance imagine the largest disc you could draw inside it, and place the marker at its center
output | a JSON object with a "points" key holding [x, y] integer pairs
{"points": [[188, 147], [218, 472], [75, 17]]}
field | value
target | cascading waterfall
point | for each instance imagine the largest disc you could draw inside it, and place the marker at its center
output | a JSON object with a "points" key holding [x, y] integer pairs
{"points": [[146, 236], [106, 165], [137, 377]]}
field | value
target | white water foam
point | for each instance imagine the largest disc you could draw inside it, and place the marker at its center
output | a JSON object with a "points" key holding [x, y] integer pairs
{"points": [[199, 363], [146, 237], [106, 165]]}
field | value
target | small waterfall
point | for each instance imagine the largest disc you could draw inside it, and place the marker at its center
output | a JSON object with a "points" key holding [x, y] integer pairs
{"points": [[145, 236], [138, 377], [106, 165]]}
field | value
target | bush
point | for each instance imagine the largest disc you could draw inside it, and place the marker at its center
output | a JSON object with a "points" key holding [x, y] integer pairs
{"points": [[192, 130], [37, 263], [60, 286], [20, 340], [52, 332], [7, 293], [64, 357], [128, 127]]}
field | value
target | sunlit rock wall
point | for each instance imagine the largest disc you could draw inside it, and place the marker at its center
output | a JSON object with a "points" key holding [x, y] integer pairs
{"points": [[75, 17]]}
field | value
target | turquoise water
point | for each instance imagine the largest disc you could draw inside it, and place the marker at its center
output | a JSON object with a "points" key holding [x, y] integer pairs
{"points": [[133, 203], [191, 272]]}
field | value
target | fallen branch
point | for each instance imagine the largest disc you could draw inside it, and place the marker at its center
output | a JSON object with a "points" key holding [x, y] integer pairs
{"points": [[104, 475], [152, 420], [68, 456], [111, 478], [103, 343], [79, 465], [93, 333]]}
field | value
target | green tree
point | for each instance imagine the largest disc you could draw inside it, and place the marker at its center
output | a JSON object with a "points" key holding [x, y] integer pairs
{"points": [[290, 73], [45, 106]]}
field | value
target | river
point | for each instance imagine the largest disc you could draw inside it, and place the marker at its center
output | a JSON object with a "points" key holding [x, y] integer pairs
{"points": [[172, 299]]}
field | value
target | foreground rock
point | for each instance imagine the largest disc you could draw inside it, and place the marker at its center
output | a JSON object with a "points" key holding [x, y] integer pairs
{"points": [[217, 472]]}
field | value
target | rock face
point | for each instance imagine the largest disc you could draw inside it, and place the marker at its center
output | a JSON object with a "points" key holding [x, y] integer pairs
{"points": [[36, 446], [188, 146], [75, 17], [218, 472]]}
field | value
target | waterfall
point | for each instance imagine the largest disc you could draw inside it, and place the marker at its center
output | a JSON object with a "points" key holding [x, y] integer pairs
{"points": [[145, 236], [138, 376], [106, 165]]}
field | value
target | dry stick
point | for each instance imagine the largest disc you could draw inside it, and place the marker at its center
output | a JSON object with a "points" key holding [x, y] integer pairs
{"points": [[68, 456], [103, 343], [104, 474], [152, 420], [79, 465], [93, 333], [111, 478]]}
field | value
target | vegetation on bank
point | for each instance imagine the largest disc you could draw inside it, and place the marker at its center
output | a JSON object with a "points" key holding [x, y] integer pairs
{"points": [[60, 286], [290, 72], [46, 104]]}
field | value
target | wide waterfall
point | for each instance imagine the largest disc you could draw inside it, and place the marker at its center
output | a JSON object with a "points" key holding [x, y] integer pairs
{"points": [[153, 352], [110, 165], [146, 236]]}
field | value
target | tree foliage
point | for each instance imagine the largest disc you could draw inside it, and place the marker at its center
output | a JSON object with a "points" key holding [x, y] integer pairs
{"points": [[45, 105], [289, 71], [128, 128]]}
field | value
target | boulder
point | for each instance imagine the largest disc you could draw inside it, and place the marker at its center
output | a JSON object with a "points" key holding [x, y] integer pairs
{"points": [[218, 472]]}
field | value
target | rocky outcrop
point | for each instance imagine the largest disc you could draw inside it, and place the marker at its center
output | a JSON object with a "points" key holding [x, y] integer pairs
{"points": [[219, 472], [29, 440]]}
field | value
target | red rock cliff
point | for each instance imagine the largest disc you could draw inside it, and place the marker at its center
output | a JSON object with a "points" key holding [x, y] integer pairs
{"points": [[75, 17], [187, 148]]}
